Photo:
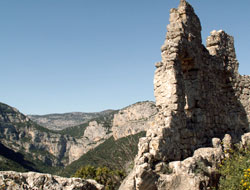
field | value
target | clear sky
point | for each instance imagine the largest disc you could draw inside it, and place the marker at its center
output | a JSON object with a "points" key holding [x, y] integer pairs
{"points": [[60, 56]]}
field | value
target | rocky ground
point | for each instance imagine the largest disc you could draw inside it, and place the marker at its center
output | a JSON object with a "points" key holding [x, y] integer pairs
{"points": [[37, 181]]}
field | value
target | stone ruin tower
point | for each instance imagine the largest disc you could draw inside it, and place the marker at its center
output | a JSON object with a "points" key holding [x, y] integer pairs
{"points": [[199, 95]]}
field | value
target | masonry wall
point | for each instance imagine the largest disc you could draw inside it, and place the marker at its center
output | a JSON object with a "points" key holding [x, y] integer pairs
{"points": [[198, 90], [199, 95]]}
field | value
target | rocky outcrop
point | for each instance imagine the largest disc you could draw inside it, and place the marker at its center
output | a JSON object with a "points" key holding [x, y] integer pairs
{"points": [[199, 94], [37, 181], [200, 170], [95, 132], [9, 114], [133, 119], [193, 173]]}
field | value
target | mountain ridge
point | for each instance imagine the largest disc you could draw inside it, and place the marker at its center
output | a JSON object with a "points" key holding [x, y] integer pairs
{"points": [[58, 148], [60, 121]]}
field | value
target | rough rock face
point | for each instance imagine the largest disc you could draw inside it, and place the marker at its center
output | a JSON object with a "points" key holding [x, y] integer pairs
{"points": [[133, 119], [95, 131], [64, 149], [37, 181], [193, 173], [10, 114], [198, 172], [17, 132], [199, 94]]}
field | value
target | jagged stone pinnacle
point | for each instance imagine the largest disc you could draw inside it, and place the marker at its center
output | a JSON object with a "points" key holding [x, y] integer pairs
{"points": [[183, 2], [199, 95]]}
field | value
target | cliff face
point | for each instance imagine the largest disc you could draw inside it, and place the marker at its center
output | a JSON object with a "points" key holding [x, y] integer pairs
{"points": [[199, 94], [133, 119], [54, 148], [11, 115], [19, 133]]}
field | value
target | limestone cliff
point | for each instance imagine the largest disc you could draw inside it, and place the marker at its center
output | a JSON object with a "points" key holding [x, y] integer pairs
{"points": [[199, 94], [129, 120], [9, 114], [19, 133], [133, 119], [95, 132], [60, 148]]}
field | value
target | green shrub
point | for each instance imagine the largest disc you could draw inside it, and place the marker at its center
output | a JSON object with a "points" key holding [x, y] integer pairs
{"points": [[235, 170], [115, 154], [111, 179]]}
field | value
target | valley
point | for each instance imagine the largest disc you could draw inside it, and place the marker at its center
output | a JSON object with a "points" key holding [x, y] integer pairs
{"points": [[26, 145]]}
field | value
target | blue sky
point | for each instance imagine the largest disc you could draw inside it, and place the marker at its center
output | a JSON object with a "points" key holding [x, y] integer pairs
{"points": [[90, 55]]}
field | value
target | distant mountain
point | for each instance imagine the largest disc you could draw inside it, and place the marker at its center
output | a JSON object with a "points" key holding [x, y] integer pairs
{"points": [[26, 145], [43, 148], [61, 121]]}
